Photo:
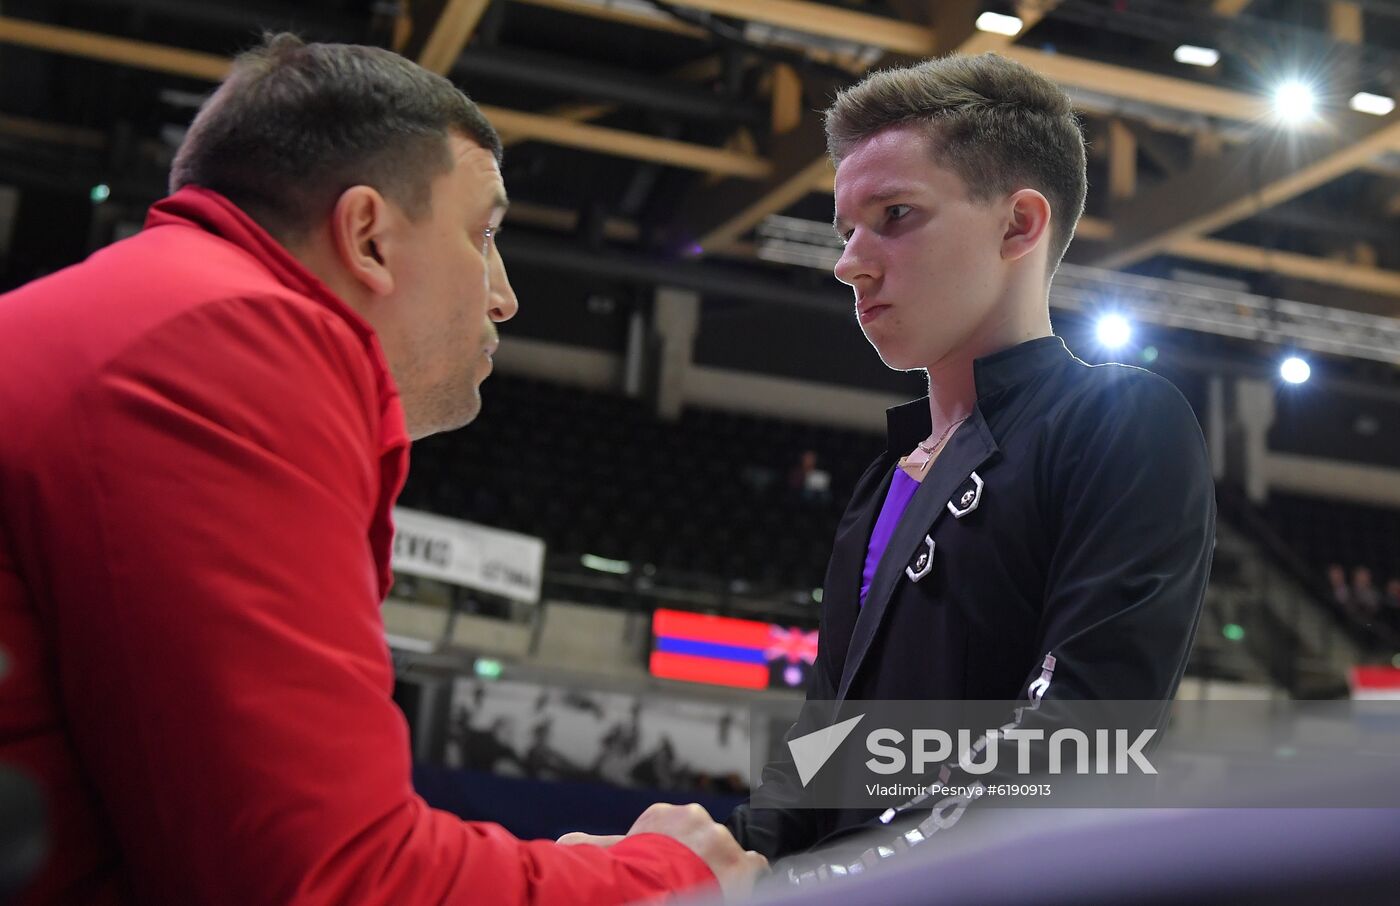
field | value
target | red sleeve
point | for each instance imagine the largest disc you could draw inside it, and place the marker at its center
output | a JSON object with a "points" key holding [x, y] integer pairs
{"points": [[224, 670]]}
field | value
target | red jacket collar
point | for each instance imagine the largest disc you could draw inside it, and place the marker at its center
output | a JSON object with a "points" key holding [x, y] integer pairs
{"points": [[202, 209], [209, 211]]}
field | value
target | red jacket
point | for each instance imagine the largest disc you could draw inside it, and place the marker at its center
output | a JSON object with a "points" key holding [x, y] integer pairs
{"points": [[199, 448]]}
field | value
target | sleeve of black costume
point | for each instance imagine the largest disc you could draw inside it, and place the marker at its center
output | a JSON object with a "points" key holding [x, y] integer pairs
{"points": [[772, 822], [1133, 506]]}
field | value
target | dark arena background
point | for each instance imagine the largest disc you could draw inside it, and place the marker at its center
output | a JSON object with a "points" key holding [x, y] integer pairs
{"points": [[608, 586]]}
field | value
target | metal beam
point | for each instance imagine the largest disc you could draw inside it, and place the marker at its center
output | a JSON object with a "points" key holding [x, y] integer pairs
{"points": [[715, 216], [653, 20], [558, 131], [826, 21], [1093, 228], [1171, 156], [656, 20], [563, 220], [1336, 221], [701, 70], [1229, 313], [450, 35], [797, 15], [1229, 8], [581, 112], [50, 133], [109, 49], [1289, 264], [785, 101], [1215, 193], [328, 21], [1344, 21], [1145, 87], [1122, 161], [553, 130], [1071, 72], [597, 82], [718, 215], [1030, 12]]}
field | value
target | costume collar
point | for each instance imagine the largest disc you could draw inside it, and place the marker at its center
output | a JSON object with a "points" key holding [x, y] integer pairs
{"points": [[909, 423]]}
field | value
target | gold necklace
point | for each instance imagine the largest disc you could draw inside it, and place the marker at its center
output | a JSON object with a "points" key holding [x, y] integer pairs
{"points": [[929, 452], [942, 438]]}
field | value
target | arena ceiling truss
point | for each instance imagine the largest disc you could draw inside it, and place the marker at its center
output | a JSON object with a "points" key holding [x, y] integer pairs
{"points": [[656, 131]]}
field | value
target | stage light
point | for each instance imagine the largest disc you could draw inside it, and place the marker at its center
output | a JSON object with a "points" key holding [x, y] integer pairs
{"points": [[1374, 104], [100, 193], [1192, 55], [999, 24], [1294, 370], [1114, 331], [1232, 631], [1294, 102]]}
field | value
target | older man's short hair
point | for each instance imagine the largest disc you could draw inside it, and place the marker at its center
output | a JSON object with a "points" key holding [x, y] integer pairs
{"points": [[295, 124]]}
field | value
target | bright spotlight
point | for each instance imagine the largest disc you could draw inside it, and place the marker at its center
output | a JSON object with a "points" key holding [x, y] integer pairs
{"points": [[999, 24], [1192, 55], [1294, 370], [1114, 331], [1374, 104], [1294, 102]]}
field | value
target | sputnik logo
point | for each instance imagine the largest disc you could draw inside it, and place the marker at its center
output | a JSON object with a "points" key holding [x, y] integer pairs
{"points": [[812, 751]]}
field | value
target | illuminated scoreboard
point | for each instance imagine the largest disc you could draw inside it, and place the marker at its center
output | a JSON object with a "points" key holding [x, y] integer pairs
{"points": [[724, 651]]}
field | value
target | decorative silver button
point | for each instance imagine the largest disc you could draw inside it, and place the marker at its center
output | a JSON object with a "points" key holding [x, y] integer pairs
{"points": [[967, 499]]}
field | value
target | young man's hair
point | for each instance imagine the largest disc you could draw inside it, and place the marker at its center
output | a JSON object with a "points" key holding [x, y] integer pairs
{"points": [[294, 125], [996, 124]]}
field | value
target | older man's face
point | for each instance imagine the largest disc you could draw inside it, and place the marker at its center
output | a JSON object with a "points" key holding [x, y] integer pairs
{"points": [[454, 288]]}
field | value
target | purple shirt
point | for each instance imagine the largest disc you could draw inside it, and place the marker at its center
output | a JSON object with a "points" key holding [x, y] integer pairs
{"points": [[902, 489]]}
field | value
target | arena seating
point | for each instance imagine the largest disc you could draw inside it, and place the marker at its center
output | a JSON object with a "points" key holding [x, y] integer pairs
{"points": [[1327, 532], [708, 496], [596, 473], [1331, 531]]}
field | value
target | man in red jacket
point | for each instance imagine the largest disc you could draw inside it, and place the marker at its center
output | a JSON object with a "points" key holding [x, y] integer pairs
{"points": [[204, 429]]}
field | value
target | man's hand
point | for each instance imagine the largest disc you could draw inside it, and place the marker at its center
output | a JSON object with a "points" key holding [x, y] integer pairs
{"points": [[735, 869]]}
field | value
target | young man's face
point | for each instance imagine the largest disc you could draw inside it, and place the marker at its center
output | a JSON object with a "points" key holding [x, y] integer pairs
{"points": [[923, 258], [454, 287]]}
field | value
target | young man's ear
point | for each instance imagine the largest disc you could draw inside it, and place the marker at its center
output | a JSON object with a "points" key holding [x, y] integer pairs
{"points": [[1027, 224], [359, 223]]}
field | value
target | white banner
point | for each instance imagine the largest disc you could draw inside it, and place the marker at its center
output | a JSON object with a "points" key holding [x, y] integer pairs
{"points": [[464, 553]]}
